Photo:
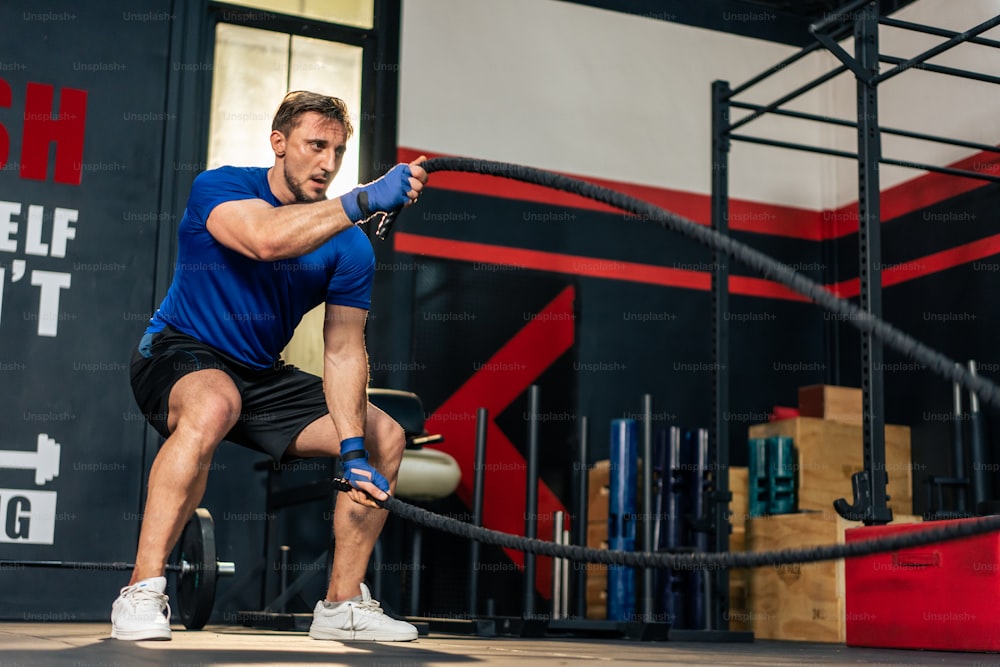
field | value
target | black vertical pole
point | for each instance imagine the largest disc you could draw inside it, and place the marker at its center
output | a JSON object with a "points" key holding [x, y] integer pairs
{"points": [[284, 548], [719, 442], [958, 449], [580, 523], [416, 563], [869, 259], [977, 450], [647, 503], [477, 509], [531, 501]]}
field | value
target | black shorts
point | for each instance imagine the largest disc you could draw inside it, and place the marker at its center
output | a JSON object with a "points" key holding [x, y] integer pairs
{"points": [[278, 402]]}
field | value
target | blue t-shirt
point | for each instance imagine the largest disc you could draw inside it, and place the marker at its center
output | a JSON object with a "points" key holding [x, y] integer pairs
{"points": [[248, 308]]}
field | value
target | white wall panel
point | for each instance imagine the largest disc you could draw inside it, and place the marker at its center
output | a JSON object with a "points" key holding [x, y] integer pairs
{"points": [[591, 92], [610, 95], [924, 101]]}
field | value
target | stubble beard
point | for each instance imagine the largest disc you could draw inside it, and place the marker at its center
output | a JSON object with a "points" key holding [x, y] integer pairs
{"points": [[296, 188]]}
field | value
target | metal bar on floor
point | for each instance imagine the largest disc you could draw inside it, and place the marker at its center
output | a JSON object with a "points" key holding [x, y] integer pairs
{"points": [[478, 477]]}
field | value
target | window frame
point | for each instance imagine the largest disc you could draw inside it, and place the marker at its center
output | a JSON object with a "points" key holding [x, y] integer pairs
{"points": [[379, 85]]}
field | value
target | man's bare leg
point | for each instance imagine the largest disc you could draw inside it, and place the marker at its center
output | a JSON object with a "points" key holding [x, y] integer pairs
{"points": [[355, 527], [203, 407]]}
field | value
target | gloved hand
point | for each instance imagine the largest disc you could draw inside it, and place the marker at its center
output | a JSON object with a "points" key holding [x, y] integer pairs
{"points": [[354, 460], [384, 194]]}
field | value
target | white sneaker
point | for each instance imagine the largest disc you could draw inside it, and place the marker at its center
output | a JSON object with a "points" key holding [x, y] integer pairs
{"points": [[138, 613], [358, 619]]}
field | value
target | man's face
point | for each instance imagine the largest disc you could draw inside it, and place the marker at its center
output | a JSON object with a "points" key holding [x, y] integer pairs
{"points": [[314, 151]]}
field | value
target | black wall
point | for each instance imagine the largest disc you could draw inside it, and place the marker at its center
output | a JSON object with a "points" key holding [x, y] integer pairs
{"points": [[632, 338], [145, 69], [65, 363]]}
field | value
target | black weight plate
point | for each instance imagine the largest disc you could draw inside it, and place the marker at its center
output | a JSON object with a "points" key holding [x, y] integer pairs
{"points": [[196, 587]]}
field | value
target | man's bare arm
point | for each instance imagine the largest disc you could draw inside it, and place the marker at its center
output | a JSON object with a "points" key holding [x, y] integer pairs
{"points": [[254, 228], [345, 369], [345, 383]]}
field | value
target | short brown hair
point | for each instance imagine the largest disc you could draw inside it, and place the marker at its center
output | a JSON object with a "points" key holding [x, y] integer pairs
{"points": [[298, 102]]}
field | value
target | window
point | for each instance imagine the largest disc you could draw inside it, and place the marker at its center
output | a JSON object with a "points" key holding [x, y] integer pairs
{"points": [[258, 60], [253, 70]]}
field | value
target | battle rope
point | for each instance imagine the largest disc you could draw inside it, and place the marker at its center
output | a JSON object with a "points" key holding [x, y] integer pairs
{"points": [[928, 533], [767, 266], [771, 269]]}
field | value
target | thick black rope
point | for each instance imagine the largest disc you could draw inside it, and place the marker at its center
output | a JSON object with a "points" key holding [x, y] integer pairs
{"points": [[769, 268], [927, 534]]}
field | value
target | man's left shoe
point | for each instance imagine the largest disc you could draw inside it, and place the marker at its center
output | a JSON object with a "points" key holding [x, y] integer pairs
{"points": [[358, 619]]}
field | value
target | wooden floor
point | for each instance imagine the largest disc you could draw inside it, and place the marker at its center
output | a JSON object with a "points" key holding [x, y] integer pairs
{"points": [[88, 645]]}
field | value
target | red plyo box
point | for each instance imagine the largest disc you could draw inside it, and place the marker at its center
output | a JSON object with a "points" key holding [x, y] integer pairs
{"points": [[943, 596]]}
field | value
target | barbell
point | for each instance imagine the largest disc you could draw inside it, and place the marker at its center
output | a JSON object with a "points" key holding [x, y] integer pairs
{"points": [[197, 569]]}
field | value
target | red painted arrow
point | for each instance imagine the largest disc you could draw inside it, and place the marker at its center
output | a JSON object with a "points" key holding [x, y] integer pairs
{"points": [[494, 386]]}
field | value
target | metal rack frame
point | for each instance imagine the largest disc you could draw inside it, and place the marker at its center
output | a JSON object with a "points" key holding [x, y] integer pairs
{"points": [[862, 16]]}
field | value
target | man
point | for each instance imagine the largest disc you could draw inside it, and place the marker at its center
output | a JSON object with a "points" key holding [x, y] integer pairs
{"points": [[258, 248]]}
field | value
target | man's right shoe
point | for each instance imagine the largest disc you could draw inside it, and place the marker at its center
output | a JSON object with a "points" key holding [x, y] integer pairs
{"points": [[358, 619], [141, 611]]}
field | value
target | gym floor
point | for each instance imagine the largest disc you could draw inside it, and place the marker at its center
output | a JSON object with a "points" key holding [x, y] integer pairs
{"points": [[88, 644]]}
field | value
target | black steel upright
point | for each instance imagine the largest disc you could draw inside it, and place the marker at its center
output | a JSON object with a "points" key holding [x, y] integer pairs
{"points": [[870, 485], [581, 519], [649, 574], [719, 442], [478, 477], [531, 502]]}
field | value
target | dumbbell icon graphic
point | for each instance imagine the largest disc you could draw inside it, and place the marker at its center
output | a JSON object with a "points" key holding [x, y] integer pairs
{"points": [[44, 461]]}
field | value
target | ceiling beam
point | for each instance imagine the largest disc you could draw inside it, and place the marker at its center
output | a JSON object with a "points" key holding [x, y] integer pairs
{"points": [[732, 16]]}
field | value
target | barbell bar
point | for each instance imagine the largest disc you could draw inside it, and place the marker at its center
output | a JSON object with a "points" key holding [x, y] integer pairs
{"points": [[197, 569], [223, 568]]}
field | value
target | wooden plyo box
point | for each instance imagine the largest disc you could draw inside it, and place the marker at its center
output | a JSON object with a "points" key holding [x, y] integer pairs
{"points": [[802, 602], [598, 492], [841, 404], [739, 614], [597, 573], [739, 506], [828, 453]]}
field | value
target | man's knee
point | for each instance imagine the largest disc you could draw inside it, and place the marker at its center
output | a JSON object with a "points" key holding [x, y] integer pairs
{"points": [[204, 409], [215, 415], [389, 439]]}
